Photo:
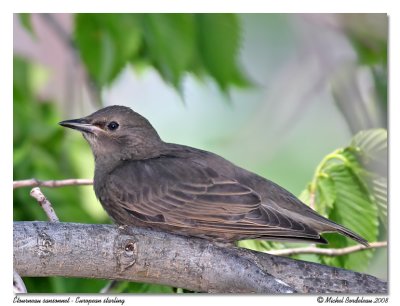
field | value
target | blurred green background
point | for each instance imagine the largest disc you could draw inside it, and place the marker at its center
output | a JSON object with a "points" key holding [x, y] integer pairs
{"points": [[273, 93]]}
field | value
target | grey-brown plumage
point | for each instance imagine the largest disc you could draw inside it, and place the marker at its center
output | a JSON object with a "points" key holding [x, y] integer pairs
{"points": [[142, 181]]}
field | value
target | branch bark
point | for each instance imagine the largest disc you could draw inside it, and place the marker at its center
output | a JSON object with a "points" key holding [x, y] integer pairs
{"points": [[136, 254]]}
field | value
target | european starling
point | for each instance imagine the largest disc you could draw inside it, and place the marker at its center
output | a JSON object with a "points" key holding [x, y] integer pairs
{"points": [[143, 181]]}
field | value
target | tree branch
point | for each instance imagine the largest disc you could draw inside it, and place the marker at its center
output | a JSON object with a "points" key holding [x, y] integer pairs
{"points": [[136, 254], [18, 283], [45, 204], [328, 252], [52, 183]]}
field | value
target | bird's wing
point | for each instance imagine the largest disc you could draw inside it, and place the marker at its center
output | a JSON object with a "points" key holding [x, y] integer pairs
{"points": [[175, 190], [186, 194]]}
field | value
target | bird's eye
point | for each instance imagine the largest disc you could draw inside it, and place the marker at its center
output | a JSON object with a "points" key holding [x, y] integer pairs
{"points": [[112, 126]]}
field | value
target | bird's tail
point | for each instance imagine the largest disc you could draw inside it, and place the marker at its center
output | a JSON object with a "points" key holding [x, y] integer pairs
{"points": [[331, 227], [345, 231], [325, 225]]}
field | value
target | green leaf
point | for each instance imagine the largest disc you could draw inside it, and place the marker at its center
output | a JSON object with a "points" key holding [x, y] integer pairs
{"points": [[371, 150], [174, 44], [370, 51], [218, 43], [350, 188], [133, 287], [371, 146], [26, 22], [379, 192], [353, 209], [106, 43], [381, 86], [170, 44], [325, 195], [260, 245]]}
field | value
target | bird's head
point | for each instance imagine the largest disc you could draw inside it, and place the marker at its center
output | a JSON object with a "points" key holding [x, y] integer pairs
{"points": [[117, 132]]}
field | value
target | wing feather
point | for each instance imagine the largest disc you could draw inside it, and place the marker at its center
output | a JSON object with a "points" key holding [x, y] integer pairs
{"points": [[166, 191]]}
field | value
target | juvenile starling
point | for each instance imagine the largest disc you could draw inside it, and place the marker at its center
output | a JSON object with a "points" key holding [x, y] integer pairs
{"points": [[143, 181]]}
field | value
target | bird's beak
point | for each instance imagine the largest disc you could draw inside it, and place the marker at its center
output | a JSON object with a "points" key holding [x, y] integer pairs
{"points": [[82, 125]]}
